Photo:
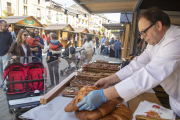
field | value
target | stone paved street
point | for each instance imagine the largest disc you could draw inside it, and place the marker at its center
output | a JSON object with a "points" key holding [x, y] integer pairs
{"points": [[4, 113]]}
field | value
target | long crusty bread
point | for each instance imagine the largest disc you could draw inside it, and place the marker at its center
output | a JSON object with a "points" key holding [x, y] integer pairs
{"points": [[100, 112]]}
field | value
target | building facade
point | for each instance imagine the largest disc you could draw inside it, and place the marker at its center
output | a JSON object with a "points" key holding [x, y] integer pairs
{"points": [[49, 12]]}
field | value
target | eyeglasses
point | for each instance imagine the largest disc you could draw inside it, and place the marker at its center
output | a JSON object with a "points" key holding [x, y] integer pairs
{"points": [[144, 32], [4, 26], [25, 35]]}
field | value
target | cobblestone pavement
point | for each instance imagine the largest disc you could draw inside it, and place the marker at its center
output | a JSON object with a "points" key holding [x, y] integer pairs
{"points": [[4, 113]]}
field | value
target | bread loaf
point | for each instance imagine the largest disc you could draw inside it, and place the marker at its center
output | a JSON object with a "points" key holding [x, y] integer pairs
{"points": [[100, 112], [121, 112], [83, 92]]}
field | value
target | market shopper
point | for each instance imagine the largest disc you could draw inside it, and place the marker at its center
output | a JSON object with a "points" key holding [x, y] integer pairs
{"points": [[76, 39], [117, 48], [112, 41], [97, 42], [102, 43], [53, 63], [12, 34], [158, 64], [20, 47], [5, 43], [106, 44], [40, 44], [89, 43]]}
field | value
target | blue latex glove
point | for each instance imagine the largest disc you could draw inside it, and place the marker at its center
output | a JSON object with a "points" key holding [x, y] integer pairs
{"points": [[92, 101]]}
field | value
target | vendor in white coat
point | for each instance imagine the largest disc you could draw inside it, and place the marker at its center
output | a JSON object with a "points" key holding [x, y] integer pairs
{"points": [[158, 64]]}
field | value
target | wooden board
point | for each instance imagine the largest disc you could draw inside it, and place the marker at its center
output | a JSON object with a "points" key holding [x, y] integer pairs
{"points": [[151, 97], [57, 89]]}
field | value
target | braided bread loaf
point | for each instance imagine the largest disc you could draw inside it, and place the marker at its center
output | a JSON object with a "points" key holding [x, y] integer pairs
{"points": [[121, 112], [100, 112]]}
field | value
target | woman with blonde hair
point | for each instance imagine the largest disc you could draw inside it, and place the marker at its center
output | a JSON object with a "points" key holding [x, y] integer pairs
{"points": [[20, 47]]}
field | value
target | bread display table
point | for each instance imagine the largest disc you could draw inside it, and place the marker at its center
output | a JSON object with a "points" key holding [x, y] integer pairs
{"points": [[133, 104]]}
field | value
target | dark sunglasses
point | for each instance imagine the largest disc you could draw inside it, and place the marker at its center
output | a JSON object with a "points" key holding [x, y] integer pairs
{"points": [[25, 35], [144, 32]]}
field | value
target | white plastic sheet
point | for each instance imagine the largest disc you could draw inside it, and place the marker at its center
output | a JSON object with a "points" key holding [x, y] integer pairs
{"points": [[54, 110]]}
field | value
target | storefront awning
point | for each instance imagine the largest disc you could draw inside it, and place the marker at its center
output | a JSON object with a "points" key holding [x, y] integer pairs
{"points": [[81, 30], [114, 26], [109, 6], [29, 21], [117, 34], [63, 27], [92, 31]]}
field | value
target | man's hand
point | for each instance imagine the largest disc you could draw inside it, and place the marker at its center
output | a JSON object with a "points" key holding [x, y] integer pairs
{"points": [[50, 50], [38, 43], [14, 57], [102, 83], [92, 101], [34, 49]]}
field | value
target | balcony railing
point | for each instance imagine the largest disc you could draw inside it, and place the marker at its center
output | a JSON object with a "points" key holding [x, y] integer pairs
{"points": [[10, 10]]}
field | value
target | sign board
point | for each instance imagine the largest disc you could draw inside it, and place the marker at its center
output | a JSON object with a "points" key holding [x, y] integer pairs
{"points": [[67, 28], [31, 22]]}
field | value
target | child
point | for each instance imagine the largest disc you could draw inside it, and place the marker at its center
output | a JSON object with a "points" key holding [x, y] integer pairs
{"points": [[56, 46], [31, 40]]}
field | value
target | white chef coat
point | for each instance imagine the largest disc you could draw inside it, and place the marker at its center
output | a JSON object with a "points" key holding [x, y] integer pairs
{"points": [[159, 64]]}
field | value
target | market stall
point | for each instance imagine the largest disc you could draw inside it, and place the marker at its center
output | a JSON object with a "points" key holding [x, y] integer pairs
{"points": [[22, 22], [81, 32], [76, 79], [64, 32]]}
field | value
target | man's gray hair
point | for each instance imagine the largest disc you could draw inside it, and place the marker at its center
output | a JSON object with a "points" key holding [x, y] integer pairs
{"points": [[2, 21]]}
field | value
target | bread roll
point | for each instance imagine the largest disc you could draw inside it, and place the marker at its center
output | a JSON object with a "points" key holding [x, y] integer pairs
{"points": [[83, 92]]}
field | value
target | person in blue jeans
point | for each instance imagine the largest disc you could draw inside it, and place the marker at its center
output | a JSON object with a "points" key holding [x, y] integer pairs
{"points": [[106, 43], [117, 48], [5, 43]]}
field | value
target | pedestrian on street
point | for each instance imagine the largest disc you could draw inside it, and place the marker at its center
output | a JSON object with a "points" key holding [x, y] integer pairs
{"points": [[20, 47], [97, 42], [102, 43], [117, 48], [40, 44], [158, 64], [84, 39], [76, 40], [53, 63], [12, 34], [5, 43], [106, 43], [112, 41]]}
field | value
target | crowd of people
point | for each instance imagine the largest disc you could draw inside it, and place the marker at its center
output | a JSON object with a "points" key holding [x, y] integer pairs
{"points": [[28, 44]]}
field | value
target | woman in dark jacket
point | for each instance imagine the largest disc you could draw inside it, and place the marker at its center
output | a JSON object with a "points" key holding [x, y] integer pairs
{"points": [[20, 47]]}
